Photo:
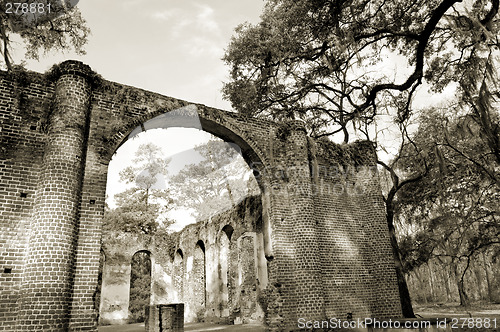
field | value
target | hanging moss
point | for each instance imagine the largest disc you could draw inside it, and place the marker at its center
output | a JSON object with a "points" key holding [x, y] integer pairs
{"points": [[283, 132]]}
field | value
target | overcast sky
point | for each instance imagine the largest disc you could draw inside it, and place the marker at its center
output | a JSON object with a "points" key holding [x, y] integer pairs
{"points": [[170, 47]]}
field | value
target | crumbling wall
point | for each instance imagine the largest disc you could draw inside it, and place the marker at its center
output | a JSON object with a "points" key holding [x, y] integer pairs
{"points": [[325, 254], [354, 242], [217, 277]]}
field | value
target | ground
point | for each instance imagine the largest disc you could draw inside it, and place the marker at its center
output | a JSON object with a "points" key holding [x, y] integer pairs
{"points": [[449, 310], [193, 327], [454, 310]]}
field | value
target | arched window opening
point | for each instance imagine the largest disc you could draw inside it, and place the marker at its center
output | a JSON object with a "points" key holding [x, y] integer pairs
{"points": [[201, 245], [224, 268], [178, 277], [228, 229], [140, 286], [198, 280], [179, 256]]}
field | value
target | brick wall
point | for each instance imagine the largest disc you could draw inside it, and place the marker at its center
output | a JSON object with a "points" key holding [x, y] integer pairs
{"points": [[22, 141], [356, 263], [327, 254]]}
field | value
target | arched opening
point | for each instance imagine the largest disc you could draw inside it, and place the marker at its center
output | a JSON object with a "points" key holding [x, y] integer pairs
{"points": [[228, 230], [178, 274], [224, 268], [197, 279], [140, 286], [199, 273], [189, 117]]}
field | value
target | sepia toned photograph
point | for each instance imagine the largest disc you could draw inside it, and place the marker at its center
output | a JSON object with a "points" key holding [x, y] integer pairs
{"points": [[249, 165]]}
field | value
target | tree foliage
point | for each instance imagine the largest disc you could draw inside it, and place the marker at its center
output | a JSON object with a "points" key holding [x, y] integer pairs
{"points": [[142, 207], [454, 208], [218, 181], [62, 29], [322, 60]]}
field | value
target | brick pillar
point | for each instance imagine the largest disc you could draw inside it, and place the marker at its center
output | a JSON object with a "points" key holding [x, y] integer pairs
{"points": [[49, 270], [310, 301]]}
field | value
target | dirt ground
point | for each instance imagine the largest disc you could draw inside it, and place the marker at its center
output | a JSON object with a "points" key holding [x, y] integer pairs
{"points": [[447, 310], [191, 327], [488, 310]]}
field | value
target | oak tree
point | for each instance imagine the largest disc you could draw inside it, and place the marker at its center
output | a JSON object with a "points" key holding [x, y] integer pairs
{"points": [[321, 60], [454, 208], [43, 26]]}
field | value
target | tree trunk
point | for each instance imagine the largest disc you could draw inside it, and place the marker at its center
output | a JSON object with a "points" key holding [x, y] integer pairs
{"points": [[5, 51], [404, 294], [477, 274], [446, 280], [464, 299], [488, 282], [421, 285], [431, 283]]}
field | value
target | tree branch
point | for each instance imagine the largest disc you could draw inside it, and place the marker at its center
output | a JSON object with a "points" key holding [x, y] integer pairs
{"points": [[423, 40]]}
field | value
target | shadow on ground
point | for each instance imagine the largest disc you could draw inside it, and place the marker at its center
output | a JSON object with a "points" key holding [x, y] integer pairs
{"points": [[192, 327], [450, 310], [488, 310]]}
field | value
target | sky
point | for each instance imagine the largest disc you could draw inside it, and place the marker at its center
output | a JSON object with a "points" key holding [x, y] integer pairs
{"points": [[172, 47]]}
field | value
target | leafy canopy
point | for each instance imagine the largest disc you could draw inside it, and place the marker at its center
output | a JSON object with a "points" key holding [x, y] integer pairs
{"points": [[324, 61], [142, 207], [454, 208], [62, 29]]}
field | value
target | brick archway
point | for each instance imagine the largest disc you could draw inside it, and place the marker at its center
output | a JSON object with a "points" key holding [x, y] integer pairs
{"points": [[315, 240]]}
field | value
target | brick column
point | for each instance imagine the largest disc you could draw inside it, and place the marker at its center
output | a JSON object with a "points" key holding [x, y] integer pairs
{"points": [[308, 288], [49, 270]]}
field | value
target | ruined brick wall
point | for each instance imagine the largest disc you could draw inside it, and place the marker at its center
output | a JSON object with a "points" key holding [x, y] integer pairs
{"points": [[242, 271], [23, 113], [193, 275], [356, 257], [50, 235]]}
